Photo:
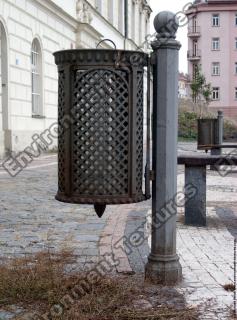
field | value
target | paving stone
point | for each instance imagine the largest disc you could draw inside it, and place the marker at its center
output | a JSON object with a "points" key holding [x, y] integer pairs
{"points": [[32, 220]]}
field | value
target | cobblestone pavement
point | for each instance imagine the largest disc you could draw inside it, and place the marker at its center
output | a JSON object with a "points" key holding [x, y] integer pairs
{"points": [[31, 220]]}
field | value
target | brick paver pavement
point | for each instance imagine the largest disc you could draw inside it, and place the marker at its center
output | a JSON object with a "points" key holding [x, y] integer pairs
{"points": [[31, 220]]}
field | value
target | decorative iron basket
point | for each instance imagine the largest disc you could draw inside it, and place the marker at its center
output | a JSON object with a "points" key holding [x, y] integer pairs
{"points": [[100, 118]]}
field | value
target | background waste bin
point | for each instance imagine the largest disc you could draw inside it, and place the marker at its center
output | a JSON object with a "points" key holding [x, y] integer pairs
{"points": [[207, 133]]}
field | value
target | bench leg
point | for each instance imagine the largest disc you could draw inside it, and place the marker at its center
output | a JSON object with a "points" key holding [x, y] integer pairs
{"points": [[215, 152], [195, 208]]}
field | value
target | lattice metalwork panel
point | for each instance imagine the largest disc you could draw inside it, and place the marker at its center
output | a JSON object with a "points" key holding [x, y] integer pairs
{"points": [[100, 133], [61, 135], [139, 132]]}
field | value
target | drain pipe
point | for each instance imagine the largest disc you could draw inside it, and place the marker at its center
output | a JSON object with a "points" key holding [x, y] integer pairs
{"points": [[125, 22]]}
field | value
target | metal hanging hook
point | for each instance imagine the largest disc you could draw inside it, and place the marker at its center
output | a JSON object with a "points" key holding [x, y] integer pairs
{"points": [[107, 40], [118, 58]]}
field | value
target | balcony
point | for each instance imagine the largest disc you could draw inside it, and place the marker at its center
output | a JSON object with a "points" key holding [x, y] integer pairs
{"points": [[194, 31], [194, 55]]}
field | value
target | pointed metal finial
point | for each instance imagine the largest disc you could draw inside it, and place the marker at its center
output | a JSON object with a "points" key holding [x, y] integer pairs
{"points": [[100, 209]]}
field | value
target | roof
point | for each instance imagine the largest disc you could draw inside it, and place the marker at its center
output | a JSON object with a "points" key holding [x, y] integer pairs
{"points": [[207, 5]]}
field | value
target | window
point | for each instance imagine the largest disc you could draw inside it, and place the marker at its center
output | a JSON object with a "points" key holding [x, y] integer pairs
{"points": [[235, 93], [216, 68], [215, 93], [236, 43], [216, 44], [36, 78], [216, 20], [195, 70], [236, 19], [194, 24], [236, 68], [195, 48]]}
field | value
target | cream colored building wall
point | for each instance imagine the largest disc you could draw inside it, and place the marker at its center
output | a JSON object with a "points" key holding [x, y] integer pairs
{"points": [[24, 21], [0, 81], [58, 25]]}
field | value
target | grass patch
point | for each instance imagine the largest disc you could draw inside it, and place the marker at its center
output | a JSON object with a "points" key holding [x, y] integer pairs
{"points": [[37, 283], [180, 139], [187, 125], [40, 278]]}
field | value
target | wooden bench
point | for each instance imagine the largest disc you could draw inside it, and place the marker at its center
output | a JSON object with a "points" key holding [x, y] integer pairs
{"points": [[195, 175]]}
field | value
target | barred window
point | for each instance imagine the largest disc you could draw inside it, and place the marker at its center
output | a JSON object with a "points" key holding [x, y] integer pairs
{"points": [[36, 78]]}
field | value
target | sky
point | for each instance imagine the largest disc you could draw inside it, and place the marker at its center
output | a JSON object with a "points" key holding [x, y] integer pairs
{"points": [[176, 6]]}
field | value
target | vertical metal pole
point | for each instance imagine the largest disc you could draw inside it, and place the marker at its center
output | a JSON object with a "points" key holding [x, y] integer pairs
{"points": [[235, 311], [148, 135], [218, 137], [125, 22], [125, 19], [220, 128], [163, 265]]}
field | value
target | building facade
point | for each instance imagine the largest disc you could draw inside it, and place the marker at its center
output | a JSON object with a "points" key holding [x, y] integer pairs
{"points": [[212, 44], [184, 87], [30, 31]]}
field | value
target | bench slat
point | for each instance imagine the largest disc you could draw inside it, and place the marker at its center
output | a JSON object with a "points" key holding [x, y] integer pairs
{"points": [[203, 160]]}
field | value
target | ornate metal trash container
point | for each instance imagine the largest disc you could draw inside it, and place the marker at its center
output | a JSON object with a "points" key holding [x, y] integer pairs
{"points": [[100, 119], [207, 133]]}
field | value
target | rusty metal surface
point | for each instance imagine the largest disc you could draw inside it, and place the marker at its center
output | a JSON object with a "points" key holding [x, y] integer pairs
{"points": [[101, 148]]}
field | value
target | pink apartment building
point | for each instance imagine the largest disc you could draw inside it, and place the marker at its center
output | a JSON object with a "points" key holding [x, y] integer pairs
{"points": [[212, 43]]}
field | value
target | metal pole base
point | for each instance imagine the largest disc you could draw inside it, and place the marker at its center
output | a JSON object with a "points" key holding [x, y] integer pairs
{"points": [[165, 270]]}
